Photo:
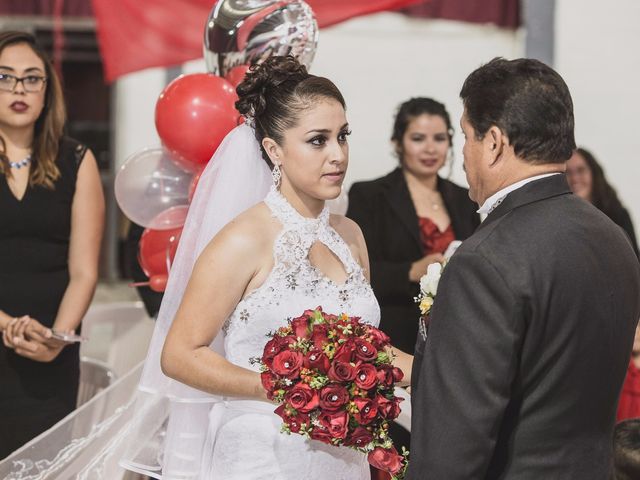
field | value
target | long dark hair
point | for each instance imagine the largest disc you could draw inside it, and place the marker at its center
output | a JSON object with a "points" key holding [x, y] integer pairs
{"points": [[603, 195], [49, 126], [413, 108]]}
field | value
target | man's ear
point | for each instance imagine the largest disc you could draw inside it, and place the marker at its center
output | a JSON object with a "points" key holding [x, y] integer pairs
{"points": [[273, 150], [495, 142]]}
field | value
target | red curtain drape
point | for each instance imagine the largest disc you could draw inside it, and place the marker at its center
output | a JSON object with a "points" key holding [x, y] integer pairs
{"points": [[69, 8], [134, 35], [504, 13]]}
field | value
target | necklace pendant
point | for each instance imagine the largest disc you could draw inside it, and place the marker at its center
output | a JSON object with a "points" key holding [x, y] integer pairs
{"points": [[22, 163]]}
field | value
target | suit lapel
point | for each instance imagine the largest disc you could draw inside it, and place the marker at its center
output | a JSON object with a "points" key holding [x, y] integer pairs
{"points": [[532, 192], [399, 198]]}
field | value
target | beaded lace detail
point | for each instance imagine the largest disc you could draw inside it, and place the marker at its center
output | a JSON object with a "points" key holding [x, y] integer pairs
{"points": [[295, 284]]}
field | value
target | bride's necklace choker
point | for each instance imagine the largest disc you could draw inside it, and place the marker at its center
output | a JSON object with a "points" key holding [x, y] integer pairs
{"points": [[22, 163]]}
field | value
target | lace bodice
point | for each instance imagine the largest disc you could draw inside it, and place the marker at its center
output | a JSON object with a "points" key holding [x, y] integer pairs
{"points": [[295, 285]]}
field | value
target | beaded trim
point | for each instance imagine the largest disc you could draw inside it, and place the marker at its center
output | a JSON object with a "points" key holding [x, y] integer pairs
{"points": [[22, 163]]}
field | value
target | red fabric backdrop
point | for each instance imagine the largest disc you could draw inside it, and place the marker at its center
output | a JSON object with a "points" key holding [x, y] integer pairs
{"points": [[504, 13], [137, 34]]}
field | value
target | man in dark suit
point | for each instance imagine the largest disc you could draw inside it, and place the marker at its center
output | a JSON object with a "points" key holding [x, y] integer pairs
{"points": [[521, 366]]}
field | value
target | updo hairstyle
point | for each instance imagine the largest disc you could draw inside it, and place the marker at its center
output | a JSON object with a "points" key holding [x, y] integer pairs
{"points": [[275, 93]]}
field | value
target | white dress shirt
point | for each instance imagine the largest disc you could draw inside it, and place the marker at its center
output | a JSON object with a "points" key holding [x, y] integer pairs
{"points": [[496, 199]]}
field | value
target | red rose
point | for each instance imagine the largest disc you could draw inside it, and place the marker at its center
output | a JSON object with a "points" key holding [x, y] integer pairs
{"points": [[379, 338], [287, 364], [321, 434], [397, 374], [341, 371], [386, 460], [345, 352], [275, 346], [333, 397], [302, 397], [385, 375], [294, 422], [360, 437], [319, 336], [389, 409], [365, 350], [367, 410], [268, 383], [316, 359], [336, 423], [366, 376], [329, 317], [300, 327]]}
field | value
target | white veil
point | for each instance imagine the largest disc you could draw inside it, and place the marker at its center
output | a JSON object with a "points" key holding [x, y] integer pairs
{"points": [[169, 422]]}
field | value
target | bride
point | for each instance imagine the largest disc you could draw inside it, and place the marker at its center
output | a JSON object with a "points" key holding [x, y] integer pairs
{"points": [[271, 262]]}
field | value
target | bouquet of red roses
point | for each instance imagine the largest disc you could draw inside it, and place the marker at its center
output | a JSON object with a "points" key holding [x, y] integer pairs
{"points": [[334, 382]]}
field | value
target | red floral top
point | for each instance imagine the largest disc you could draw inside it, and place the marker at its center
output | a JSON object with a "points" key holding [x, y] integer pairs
{"points": [[629, 405], [433, 240]]}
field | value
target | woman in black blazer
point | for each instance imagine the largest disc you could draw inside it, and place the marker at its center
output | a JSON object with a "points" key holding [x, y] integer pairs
{"points": [[409, 216]]}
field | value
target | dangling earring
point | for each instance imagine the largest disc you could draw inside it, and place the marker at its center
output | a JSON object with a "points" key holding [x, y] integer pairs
{"points": [[277, 175]]}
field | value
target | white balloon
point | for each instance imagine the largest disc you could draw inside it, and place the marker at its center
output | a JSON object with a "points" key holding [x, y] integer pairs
{"points": [[152, 190]]}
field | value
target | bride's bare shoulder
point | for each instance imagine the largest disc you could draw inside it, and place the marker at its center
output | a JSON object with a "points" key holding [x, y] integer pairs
{"points": [[250, 232]]}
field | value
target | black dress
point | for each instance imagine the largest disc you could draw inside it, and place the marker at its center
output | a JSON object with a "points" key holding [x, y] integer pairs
{"points": [[34, 274]]}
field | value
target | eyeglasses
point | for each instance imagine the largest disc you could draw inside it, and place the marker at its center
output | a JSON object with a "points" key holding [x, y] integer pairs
{"points": [[31, 83]]}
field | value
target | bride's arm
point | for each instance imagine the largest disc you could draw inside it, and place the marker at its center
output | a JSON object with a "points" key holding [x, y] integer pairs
{"points": [[221, 275], [355, 238]]}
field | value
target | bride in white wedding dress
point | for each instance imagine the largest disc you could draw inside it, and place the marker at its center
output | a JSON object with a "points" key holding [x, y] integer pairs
{"points": [[280, 257]]}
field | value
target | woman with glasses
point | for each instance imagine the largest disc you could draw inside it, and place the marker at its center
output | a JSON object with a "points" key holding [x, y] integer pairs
{"points": [[51, 219], [587, 180]]}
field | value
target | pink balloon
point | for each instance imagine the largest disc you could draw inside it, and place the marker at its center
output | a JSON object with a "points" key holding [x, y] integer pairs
{"points": [[170, 218]]}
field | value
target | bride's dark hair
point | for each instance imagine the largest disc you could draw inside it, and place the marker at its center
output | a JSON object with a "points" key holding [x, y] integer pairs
{"points": [[275, 93]]}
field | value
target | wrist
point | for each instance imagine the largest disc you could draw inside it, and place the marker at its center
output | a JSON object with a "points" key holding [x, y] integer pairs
{"points": [[5, 320]]}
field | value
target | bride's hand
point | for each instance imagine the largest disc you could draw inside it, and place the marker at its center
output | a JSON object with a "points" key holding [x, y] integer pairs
{"points": [[404, 362]]}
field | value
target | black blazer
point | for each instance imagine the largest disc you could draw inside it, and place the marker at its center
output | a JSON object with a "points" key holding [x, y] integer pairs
{"points": [[621, 216], [385, 212], [528, 345]]}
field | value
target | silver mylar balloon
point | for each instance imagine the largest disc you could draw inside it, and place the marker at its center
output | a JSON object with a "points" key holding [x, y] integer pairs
{"points": [[242, 32]]}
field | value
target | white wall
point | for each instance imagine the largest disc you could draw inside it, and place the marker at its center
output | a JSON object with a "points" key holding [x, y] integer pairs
{"points": [[380, 60], [597, 54], [134, 108]]}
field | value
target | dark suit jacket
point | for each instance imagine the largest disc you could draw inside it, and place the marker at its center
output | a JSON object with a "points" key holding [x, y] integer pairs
{"points": [[385, 212], [528, 344], [621, 217]]}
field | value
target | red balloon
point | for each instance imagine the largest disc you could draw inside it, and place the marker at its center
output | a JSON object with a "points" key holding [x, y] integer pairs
{"points": [[158, 283], [193, 114], [236, 75], [157, 250], [194, 184]]}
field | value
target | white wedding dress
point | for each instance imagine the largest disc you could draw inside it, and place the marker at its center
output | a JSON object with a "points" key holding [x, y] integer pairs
{"points": [[244, 440]]}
